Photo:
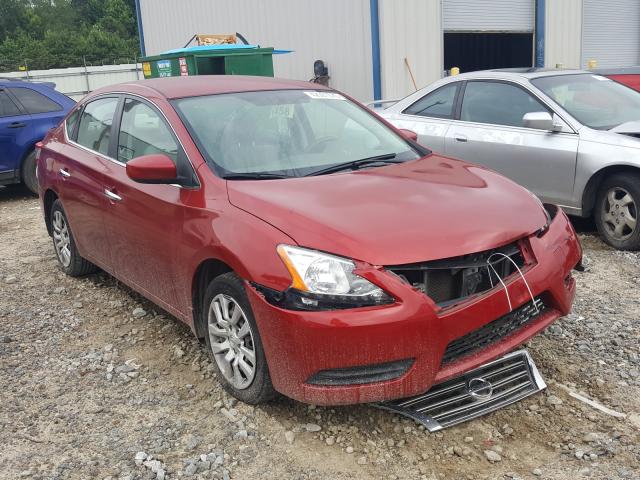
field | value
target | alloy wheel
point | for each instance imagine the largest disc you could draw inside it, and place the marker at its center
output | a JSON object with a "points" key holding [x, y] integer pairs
{"points": [[231, 341], [61, 238], [619, 213]]}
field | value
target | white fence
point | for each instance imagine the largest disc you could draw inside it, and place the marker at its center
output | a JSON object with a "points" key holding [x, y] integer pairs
{"points": [[78, 81]]}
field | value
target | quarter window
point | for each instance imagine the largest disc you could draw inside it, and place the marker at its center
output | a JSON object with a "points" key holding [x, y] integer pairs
{"points": [[7, 107], [71, 123], [497, 103], [144, 132], [438, 103], [94, 130], [34, 102]]}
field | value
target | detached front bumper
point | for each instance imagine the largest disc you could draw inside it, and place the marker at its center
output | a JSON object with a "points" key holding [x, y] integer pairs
{"points": [[397, 351]]}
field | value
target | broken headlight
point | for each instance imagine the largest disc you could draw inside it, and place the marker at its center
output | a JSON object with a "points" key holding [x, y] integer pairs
{"points": [[323, 281]]}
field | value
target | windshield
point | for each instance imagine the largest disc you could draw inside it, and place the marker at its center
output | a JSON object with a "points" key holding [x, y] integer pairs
{"points": [[596, 101], [290, 133]]}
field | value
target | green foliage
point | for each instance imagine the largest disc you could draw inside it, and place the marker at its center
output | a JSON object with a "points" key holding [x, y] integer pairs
{"points": [[66, 33]]}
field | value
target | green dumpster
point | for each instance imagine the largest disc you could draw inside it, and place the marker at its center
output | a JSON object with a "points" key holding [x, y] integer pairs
{"points": [[211, 60]]}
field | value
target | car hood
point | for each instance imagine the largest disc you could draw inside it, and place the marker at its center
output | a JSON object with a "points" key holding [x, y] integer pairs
{"points": [[416, 211]]}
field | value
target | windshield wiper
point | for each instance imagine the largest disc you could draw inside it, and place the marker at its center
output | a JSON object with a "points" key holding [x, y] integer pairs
{"points": [[356, 164], [254, 176]]}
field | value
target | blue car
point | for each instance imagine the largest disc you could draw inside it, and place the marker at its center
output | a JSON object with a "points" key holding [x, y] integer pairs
{"points": [[27, 112]]}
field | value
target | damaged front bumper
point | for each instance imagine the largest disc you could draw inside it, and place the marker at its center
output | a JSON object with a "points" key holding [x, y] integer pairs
{"points": [[400, 350]]}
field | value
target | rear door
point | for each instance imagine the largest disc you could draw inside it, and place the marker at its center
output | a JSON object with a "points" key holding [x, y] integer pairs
{"points": [[14, 135], [81, 176], [430, 116], [489, 131], [144, 222]]}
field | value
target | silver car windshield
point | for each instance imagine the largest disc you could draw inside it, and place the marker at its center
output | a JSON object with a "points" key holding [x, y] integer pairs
{"points": [[288, 133], [596, 101]]}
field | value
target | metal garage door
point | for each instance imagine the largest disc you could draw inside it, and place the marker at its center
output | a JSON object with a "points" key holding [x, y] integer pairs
{"points": [[488, 15], [611, 33]]}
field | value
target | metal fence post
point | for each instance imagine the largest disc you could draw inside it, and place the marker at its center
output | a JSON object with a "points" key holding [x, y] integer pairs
{"points": [[86, 74]]}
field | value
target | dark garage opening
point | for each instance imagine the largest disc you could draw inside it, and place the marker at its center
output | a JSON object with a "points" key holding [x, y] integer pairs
{"points": [[481, 51]]}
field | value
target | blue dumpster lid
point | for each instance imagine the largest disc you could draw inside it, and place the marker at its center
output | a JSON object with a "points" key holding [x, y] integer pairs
{"points": [[209, 48]]}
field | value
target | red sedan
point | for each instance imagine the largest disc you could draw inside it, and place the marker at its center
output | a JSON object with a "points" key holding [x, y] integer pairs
{"points": [[318, 251]]}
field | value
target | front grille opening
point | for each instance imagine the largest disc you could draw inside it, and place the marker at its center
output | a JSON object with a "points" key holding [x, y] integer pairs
{"points": [[494, 331], [453, 280]]}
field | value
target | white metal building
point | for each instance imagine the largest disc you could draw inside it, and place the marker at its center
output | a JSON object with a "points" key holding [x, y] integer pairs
{"points": [[379, 48]]}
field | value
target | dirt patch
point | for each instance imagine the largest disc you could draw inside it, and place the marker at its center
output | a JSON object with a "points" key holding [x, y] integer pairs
{"points": [[86, 385]]}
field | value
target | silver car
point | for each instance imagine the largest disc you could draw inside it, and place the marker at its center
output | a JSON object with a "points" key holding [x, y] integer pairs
{"points": [[571, 137]]}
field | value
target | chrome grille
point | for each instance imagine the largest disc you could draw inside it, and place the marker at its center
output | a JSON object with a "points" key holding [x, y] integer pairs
{"points": [[511, 378]]}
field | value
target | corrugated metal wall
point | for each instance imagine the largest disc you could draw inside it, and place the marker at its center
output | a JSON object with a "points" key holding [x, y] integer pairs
{"points": [[488, 15], [336, 31], [611, 33], [409, 29], [563, 33]]}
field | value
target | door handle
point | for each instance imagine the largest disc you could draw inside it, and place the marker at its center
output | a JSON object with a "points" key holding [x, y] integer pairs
{"points": [[112, 196], [17, 125], [460, 138], [65, 173]]}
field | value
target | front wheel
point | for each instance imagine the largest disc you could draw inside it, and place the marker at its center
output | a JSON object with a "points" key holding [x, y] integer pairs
{"points": [[29, 177], [616, 212], [234, 342]]}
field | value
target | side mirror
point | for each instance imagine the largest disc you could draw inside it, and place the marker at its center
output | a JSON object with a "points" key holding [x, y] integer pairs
{"points": [[409, 134], [541, 121], [156, 168]]}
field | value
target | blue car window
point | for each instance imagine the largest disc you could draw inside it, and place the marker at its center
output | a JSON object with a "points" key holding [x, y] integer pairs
{"points": [[7, 107], [34, 102]]}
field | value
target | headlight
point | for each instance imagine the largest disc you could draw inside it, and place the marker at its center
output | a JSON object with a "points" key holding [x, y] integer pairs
{"points": [[327, 281]]}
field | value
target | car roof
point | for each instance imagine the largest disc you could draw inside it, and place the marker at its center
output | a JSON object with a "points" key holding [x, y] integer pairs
{"points": [[515, 73], [193, 86]]}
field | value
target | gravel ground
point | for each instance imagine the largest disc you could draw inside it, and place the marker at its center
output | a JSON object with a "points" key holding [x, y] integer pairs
{"points": [[98, 383]]}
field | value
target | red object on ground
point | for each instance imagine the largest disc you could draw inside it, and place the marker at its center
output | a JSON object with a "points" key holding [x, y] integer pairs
{"points": [[157, 237]]}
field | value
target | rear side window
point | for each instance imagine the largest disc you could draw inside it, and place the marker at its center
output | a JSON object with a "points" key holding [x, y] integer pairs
{"points": [[35, 102], [438, 103], [7, 107], [94, 129], [144, 132], [497, 103]]}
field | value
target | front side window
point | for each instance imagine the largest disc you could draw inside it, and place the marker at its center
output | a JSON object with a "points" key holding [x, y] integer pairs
{"points": [[34, 102], [287, 132], [7, 107], [594, 100], [144, 132], [497, 103], [94, 130], [439, 103]]}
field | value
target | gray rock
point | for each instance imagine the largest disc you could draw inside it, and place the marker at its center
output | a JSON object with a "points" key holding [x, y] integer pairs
{"points": [[554, 400], [10, 280], [312, 427], [190, 470], [140, 457], [537, 472], [139, 312], [289, 436], [492, 456]]}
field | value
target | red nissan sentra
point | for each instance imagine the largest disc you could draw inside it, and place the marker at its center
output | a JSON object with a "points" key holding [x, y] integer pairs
{"points": [[318, 251]]}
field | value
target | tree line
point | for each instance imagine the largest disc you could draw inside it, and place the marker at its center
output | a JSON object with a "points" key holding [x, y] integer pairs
{"points": [[43, 34]]}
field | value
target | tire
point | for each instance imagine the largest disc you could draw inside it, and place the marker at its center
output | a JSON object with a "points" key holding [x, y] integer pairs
{"points": [[234, 345], [29, 177], [616, 211], [64, 245]]}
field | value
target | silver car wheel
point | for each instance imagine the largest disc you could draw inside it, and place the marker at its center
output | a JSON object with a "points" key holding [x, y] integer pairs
{"points": [[231, 341], [61, 238], [619, 213]]}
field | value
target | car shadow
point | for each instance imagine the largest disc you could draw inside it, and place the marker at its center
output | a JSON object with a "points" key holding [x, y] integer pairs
{"points": [[15, 192]]}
